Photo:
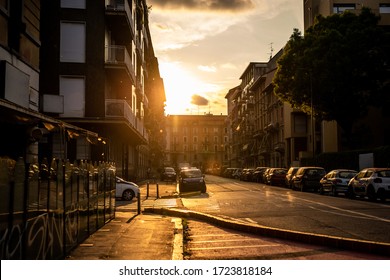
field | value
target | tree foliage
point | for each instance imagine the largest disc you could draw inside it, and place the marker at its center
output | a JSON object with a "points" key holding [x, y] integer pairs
{"points": [[338, 68]]}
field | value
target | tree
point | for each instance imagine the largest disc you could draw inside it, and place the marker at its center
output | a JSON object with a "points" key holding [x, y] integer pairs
{"points": [[339, 68]]}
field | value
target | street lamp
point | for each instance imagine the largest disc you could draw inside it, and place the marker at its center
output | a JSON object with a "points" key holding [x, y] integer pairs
{"points": [[313, 129]]}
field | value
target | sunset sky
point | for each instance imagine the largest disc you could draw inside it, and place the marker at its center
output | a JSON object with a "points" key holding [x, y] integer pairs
{"points": [[203, 46]]}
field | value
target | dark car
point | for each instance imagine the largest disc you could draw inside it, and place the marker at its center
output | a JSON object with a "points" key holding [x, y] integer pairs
{"points": [[308, 178], [265, 173], [276, 176], [246, 174], [192, 180], [258, 174], [168, 174], [336, 181], [290, 174]]}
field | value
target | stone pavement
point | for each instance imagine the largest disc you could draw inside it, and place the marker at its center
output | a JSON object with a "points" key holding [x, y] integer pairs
{"points": [[137, 236]]}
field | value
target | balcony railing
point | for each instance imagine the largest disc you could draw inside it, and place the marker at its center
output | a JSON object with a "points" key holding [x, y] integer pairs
{"points": [[119, 108], [120, 6], [119, 56]]}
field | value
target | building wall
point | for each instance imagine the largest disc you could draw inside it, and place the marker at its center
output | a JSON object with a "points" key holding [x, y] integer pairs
{"points": [[200, 140], [312, 8]]}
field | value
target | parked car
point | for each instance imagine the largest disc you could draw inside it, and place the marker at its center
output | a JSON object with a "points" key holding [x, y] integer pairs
{"points": [[308, 178], [126, 190], [290, 174], [258, 174], [168, 174], [192, 180], [276, 176], [237, 173], [265, 173], [336, 181], [227, 173], [246, 174], [371, 182]]}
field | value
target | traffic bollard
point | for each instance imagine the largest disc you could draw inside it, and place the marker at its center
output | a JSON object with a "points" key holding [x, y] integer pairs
{"points": [[147, 189], [157, 191]]}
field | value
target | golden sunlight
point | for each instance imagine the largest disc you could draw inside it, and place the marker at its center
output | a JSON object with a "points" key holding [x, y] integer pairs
{"points": [[180, 86]]}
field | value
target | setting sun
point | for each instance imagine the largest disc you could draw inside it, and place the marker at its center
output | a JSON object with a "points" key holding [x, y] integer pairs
{"points": [[180, 87]]}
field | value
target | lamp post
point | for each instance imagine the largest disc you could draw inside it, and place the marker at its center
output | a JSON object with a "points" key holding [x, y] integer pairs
{"points": [[313, 128]]}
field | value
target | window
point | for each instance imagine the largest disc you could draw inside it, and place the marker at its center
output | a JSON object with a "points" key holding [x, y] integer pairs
{"points": [[384, 8], [341, 8], [73, 91], [72, 42], [195, 139], [75, 4], [300, 123]]}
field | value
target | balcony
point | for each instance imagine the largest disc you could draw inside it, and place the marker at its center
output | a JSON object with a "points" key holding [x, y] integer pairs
{"points": [[279, 147], [119, 108], [117, 57], [120, 20]]}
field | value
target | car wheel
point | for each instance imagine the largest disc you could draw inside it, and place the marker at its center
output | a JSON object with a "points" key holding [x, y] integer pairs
{"points": [[334, 191], [382, 195], [128, 195], [371, 193], [203, 190], [350, 194], [321, 190]]}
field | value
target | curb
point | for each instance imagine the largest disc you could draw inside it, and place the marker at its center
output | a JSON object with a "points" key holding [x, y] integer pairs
{"points": [[310, 238]]}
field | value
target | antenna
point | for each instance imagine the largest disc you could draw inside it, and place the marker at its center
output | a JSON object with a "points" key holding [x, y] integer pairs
{"points": [[271, 49]]}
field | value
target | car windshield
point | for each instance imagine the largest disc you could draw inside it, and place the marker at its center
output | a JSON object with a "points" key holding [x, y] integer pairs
{"points": [[191, 173], [347, 174], [169, 169]]}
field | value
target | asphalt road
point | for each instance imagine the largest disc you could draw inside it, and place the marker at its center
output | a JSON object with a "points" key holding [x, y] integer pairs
{"points": [[284, 208]]}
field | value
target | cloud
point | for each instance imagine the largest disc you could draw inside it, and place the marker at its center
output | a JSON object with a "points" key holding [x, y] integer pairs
{"points": [[204, 5], [205, 68], [199, 100]]}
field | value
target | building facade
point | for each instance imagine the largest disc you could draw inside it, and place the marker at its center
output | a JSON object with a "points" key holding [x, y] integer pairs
{"points": [[197, 140], [99, 72], [29, 132]]}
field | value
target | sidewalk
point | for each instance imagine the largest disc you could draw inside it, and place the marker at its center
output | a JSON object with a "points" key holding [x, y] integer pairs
{"points": [[137, 237]]}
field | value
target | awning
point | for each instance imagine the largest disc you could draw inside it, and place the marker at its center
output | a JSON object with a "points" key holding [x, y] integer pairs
{"points": [[15, 114]]}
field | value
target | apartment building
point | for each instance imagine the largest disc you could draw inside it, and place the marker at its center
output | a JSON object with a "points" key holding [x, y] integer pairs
{"points": [[26, 131], [99, 72], [312, 8], [258, 121], [370, 132], [199, 140]]}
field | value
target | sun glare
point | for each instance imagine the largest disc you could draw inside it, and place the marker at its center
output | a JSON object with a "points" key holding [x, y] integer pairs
{"points": [[180, 86]]}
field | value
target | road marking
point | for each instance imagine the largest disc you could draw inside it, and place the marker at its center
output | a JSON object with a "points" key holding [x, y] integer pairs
{"points": [[251, 221], [344, 210], [233, 247], [222, 240]]}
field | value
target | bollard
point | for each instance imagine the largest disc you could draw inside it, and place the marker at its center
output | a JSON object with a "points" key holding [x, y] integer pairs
{"points": [[139, 203], [157, 191], [147, 189]]}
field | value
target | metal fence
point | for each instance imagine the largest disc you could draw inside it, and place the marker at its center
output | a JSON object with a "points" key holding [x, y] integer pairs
{"points": [[48, 209]]}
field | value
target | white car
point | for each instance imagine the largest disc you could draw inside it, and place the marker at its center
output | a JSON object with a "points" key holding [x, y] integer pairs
{"points": [[371, 182], [126, 190]]}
